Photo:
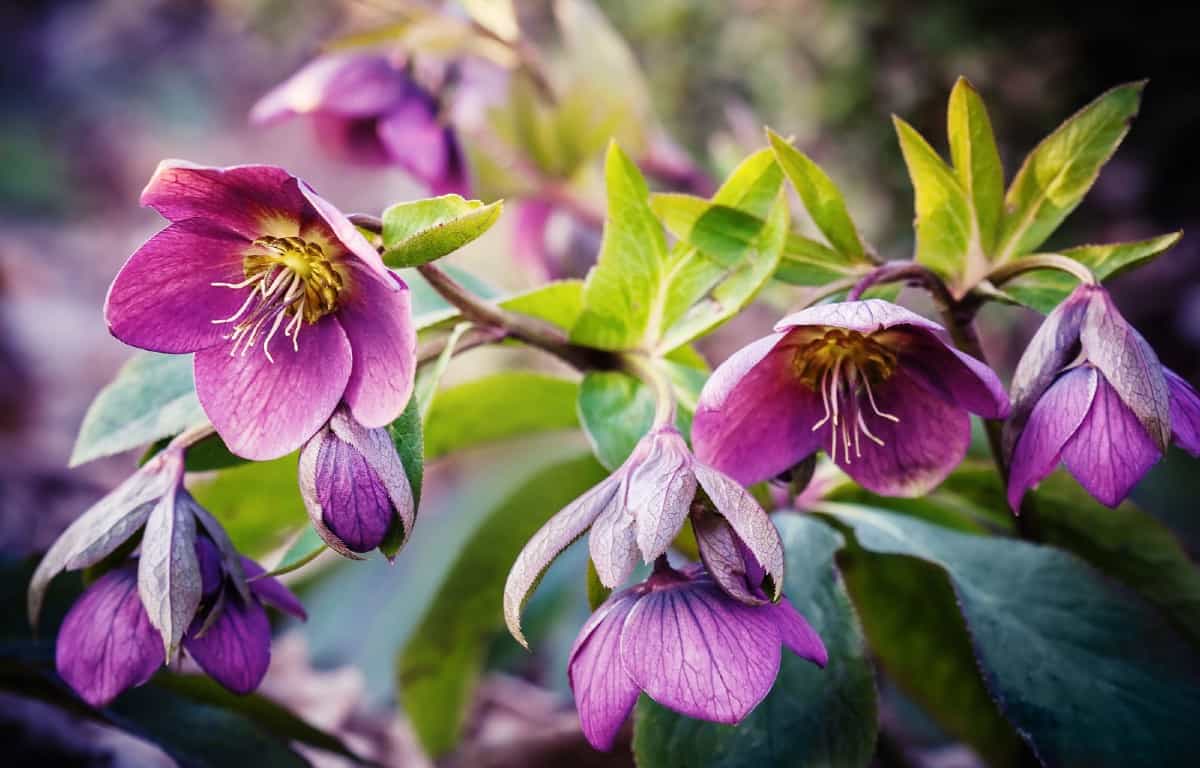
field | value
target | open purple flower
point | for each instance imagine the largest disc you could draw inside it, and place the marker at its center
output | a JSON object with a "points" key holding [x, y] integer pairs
{"points": [[287, 307], [688, 645], [366, 108], [874, 384], [636, 513], [1090, 393], [354, 486], [107, 644]]}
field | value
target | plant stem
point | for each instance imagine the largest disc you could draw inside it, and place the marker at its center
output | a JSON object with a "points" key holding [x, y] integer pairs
{"points": [[1008, 271], [476, 336], [664, 397], [904, 270]]}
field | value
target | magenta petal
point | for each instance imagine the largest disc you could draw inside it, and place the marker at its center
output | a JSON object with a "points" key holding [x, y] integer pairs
{"points": [[417, 141], [754, 418], [700, 652], [604, 693], [926, 444], [796, 633], [211, 573], [106, 643], [1185, 412], [164, 300], [235, 649], [378, 321], [263, 409], [351, 139], [354, 503], [1111, 450], [944, 369], [346, 84], [346, 233], [271, 591], [244, 199], [866, 316], [1053, 421]]}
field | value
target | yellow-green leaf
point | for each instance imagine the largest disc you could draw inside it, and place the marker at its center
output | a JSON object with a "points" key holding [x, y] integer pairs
{"points": [[821, 197], [976, 160]]}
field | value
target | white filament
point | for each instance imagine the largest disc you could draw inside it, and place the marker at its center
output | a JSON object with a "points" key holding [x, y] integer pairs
{"points": [[842, 386]]}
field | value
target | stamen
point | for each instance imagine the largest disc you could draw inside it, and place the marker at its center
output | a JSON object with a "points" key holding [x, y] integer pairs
{"points": [[874, 407], [862, 427], [825, 400]]}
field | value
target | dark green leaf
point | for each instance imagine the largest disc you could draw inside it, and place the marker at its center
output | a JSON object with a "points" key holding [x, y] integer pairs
{"points": [[425, 230], [812, 717], [259, 504], [616, 409], [1087, 672], [1062, 168], [439, 667], [152, 397], [498, 407]]}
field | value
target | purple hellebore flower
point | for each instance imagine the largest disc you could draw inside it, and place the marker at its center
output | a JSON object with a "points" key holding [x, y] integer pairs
{"points": [[287, 307], [354, 486], [688, 645], [107, 644], [639, 510], [367, 109], [1089, 392], [877, 385]]}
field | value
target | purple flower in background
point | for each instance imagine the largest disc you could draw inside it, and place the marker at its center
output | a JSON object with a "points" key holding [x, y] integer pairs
{"points": [[367, 109], [354, 486], [688, 645], [287, 307], [1090, 393], [107, 644], [636, 513], [876, 385]]}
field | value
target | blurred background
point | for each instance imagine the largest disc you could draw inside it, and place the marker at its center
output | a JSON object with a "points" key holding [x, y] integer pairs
{"points": [[95, 92]]}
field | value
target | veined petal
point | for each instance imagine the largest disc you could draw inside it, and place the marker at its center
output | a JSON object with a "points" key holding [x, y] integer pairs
{"points": [[754, 418], [164, 300], [797, 634], [308, 478], [169, 578], [943, 369], [348, 84], [235, 648], [699, 652], [353, 502], [1129, 366], [251, 200], [551, 539], [335, 223], [1110, 451], [271, 590], [612, 542], [927, 442], [379, 451], [751, 524], [866, 316], [1185, 413], [263, 409], [604, 693], [106, 643], [661, 488], [378, 321], [724, 558], [1053, 421]]}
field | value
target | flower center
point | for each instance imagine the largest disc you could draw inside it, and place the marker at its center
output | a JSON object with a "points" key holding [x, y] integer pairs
{"points": [[290, 279], [844, 366]]}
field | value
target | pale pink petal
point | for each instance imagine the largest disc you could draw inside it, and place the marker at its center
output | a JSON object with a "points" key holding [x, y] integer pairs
{"points": [[866, 316]]}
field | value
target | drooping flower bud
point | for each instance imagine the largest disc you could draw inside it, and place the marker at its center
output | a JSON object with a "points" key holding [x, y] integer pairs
{"points": [[1089, 392], [636, 513], [354, 486], [688, 645]]}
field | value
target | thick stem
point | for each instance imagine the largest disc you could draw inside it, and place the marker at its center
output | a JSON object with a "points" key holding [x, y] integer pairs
{"points": [[1008, 271]]}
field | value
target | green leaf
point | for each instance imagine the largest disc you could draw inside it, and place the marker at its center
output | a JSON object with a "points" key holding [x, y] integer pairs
{"points": [[821, 198], [944, 223], [807, 262], [703, 293], [617, 409], [207, 455], [911, 619], [597, 593], [559, 302], [1087, 672], [619, 295], [152, 397], [976, 161], [425, 230], [1043, 289], [259, 503], [498, 407], [440, 665], [812, 717], [1126, 543], [1062, 168]]}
